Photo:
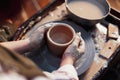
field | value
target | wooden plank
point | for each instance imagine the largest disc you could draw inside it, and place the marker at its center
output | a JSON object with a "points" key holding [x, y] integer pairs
{"points": [[113, 31], [109, 48], [95, 67]]}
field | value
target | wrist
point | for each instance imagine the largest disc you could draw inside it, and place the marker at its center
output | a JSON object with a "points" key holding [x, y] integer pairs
{"points": [[67, 60], [30, 45]]}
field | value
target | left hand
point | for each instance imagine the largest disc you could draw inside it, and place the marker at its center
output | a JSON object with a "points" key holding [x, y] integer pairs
{"points": [[37, 37]]}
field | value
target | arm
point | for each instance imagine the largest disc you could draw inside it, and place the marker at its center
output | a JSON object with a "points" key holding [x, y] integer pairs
{"points": [[20, 46], [34, 41], [67, 71]]}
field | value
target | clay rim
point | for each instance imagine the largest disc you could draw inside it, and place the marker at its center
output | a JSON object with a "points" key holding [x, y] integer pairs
{"points": [[65, 25]]}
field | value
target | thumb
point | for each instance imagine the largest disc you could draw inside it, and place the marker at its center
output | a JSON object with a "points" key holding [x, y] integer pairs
{"points": [[77, 40]]}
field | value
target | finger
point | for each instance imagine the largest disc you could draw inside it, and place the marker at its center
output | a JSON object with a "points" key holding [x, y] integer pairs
{"points": [[44, 28], [73, 47], [40, 29], [47, 26], [77, 40], [81, 47], [79, 33]]}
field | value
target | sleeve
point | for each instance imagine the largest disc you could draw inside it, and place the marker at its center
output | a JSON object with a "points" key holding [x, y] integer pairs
{"points": [[66, 72]]}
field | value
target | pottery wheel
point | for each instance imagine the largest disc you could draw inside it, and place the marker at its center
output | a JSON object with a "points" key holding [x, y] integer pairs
{"points": [[46, 61]]}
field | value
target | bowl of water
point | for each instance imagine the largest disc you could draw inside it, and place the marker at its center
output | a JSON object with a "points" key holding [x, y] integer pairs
{"points": [[87, 12]]}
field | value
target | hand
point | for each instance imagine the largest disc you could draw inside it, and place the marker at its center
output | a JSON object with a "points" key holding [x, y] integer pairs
{"points": [[37, 37], [76, 49]]}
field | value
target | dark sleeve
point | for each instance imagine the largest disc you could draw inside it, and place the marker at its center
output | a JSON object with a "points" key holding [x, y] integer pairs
{"points": [[11, 60]]}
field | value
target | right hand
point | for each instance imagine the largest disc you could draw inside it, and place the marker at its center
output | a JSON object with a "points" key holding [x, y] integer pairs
{"points": [[76, 49]]}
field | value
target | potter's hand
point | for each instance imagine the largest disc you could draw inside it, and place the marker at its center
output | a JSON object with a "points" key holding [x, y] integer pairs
{"points": [[76, 49], [37, 37]]}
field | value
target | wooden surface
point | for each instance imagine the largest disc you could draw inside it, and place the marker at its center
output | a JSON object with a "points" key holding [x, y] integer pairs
{"points": [[115, 4]]}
